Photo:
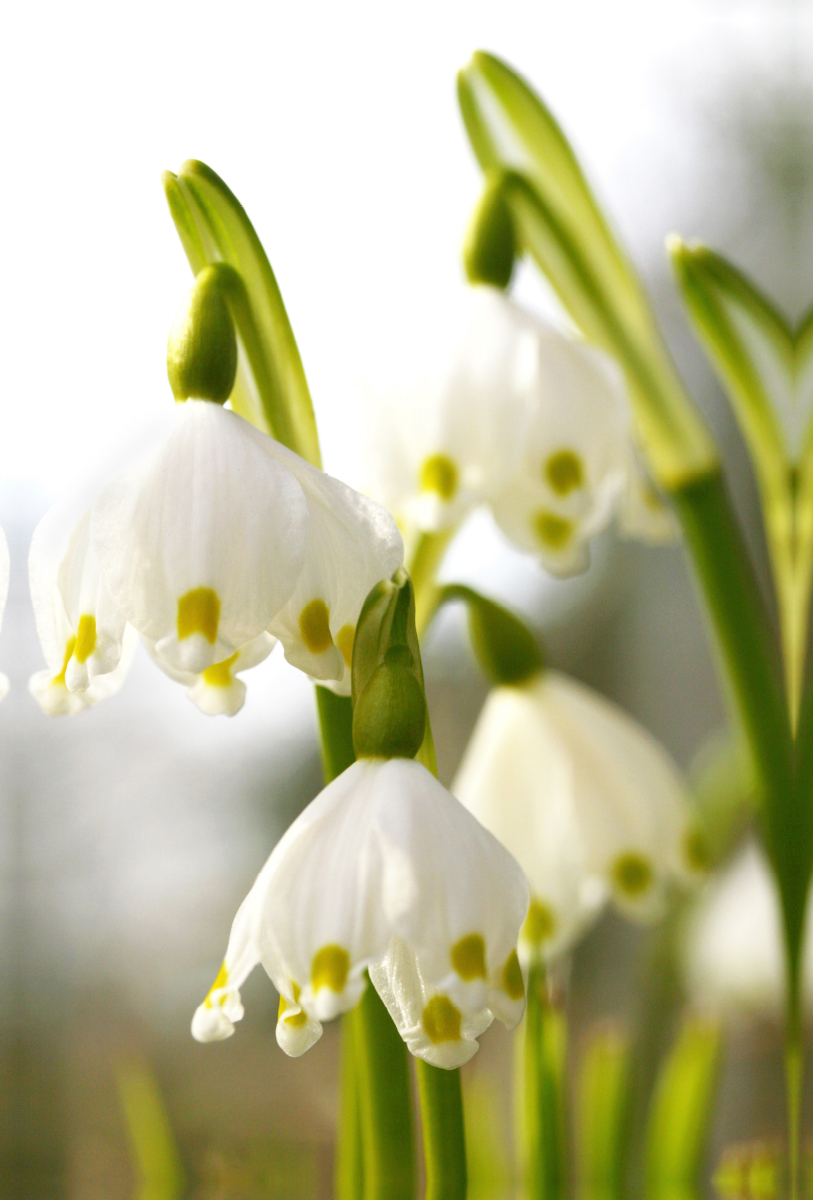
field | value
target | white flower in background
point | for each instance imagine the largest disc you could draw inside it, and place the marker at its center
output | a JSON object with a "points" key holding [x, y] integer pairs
{"points": [[4, 575], [215, 538], [589, 803], [523, 418], [384, 871], [734, 959]]}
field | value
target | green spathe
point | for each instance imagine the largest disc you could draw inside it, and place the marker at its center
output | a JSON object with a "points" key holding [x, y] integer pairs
{"points": [[202, 346], [506, 650], [389, 718], [491, 245]]}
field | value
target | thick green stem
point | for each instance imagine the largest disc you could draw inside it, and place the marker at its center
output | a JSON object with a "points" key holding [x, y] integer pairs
{"points": [[444, 1140], [543, 1125], [423, 567], [750, 654], [376, 1096]]}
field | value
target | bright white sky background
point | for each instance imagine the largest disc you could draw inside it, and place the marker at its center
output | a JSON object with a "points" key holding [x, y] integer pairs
{"points": [[336, 125]]}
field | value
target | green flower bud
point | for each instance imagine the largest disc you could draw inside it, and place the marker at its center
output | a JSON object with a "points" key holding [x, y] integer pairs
{"points": [[505, 648], [389, 706], [490, 246], [202, 347]]}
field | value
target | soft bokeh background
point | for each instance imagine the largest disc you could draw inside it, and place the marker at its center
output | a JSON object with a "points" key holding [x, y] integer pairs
{"points": [[130, 833]]}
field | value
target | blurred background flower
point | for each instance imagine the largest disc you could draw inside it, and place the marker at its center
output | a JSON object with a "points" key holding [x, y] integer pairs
{"points": [[130, 833]]}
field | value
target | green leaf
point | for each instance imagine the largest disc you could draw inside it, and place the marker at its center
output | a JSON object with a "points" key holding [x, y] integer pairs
{"points": [[558, 221], [679, 1119], [601, 1112], [765, 367], [271, 389]]}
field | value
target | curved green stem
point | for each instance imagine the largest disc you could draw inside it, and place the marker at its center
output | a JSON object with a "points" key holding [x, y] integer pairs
{"points": [[444, 1140], [423, 566], [376, 1117]]}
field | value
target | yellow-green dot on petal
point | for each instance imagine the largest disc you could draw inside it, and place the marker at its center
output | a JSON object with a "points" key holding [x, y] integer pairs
{"points": [[221, 980], [441, 1020], [553, 531], [199, 612], [330, 968], [632, 874], [344, 640], [85, 638], [219, 674], [564, 472], [314, 625], [512, 981], [60, 678], [439, 474], [297, 1019], [696, 849], [539, 925], [469, 957]]}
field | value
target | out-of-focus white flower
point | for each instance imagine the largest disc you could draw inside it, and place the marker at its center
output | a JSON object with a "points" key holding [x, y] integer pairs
{"points": [[523, 418], [589, 803], [215, 541], [384, 871], [4, 574], [733, 941]]}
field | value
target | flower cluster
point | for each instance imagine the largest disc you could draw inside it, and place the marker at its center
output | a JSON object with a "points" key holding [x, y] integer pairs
{"points": [[527, 420]]}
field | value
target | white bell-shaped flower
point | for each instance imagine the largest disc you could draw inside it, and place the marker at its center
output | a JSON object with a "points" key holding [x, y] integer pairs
{"points": [[80, 629], [216, 542], [588, 802], [733, 961], [526, 419], [452, 439], [575, 458], [384, 871], [4, 577]]}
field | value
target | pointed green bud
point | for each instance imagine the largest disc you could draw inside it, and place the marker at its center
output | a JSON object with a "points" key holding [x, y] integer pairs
{"points": [[505, 648], [491, 245], [202, 347], [389, 706]]}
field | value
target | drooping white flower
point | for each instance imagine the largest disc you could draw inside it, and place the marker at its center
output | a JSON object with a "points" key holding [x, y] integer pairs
{"points": [[526, 419], [217, 536], [733, 958], [384, 871], [4, 577], [588, 802]]}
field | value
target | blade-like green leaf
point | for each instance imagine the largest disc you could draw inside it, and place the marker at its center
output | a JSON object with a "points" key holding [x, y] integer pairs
{"points": [[764, 365], [510, 127], [271, 389], [601, 1112], [681, 1107]]}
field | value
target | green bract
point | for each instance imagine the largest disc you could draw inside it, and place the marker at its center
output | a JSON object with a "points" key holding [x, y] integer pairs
{"points": [[202, 346], [490, 246], [506, 649], [271, 390], [389, 717]]}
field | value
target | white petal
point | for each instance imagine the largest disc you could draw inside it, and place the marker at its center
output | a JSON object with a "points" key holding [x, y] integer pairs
{"points": [[630, 799], [217, 691], [644, 513], [446, 878], [465, 416], [433, 1027], [202, 544], [576, 455], [51, 693], [353, 543], [517, 777]]}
